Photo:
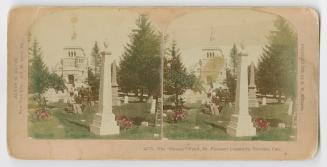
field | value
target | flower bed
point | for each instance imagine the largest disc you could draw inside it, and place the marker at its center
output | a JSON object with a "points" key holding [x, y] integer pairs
{"points": [[261, 124], [176, 115], [124, 122]]}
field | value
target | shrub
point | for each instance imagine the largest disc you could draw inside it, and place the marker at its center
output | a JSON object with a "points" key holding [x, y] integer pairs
{"points": [[176, 115], [124, 122], [42, 113], [206, 110], [261, 124]]}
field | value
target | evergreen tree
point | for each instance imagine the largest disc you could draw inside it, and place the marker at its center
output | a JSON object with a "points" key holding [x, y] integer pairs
{"points": [[39, 72], [231, 74], [276, 72], [176, 78], [39, 77], [94, 83], [94, 75], [96, 58], [231, 83], [233, 57], [56, 82], [140, 64]]}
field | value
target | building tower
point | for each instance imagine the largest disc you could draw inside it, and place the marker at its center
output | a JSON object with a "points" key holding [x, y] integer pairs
{"points": [[73, 64]]}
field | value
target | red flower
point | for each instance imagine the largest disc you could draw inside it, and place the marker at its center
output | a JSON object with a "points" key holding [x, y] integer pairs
{"points": [[261, 123], [43, 114], [124, 122]]}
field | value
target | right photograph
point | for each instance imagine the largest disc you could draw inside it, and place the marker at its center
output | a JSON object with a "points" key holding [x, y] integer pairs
{"points": [[230, 75]]}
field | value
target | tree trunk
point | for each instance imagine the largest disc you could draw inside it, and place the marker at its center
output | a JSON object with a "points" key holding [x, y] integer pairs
{"points": [[176, 100], [136, 93], [279, 97], [156, 113], [141, 96]]}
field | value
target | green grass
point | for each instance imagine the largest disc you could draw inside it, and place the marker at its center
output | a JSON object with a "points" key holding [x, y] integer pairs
{"points": [[45, 129], [63, 124], [137, 111], [214, 127], [208, 124], [274, 113], [275, 134]]}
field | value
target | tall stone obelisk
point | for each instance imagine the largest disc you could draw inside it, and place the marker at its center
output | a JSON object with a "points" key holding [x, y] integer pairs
{"points": [[104, 122], [115, 95], [241, 122], [253, 102]]}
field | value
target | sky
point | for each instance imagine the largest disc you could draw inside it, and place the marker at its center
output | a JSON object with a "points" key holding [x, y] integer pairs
{"points": [[246, 28], [191, 31]]}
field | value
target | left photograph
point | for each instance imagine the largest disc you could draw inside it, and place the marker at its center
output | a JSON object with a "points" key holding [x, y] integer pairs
{"points": [[95, 75]]}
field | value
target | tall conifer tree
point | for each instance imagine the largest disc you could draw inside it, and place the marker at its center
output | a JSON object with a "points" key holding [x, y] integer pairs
{"points": [[276, 72], [140, 64]]}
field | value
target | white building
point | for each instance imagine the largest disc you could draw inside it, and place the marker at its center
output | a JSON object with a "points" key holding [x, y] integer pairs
{"points": [[212, 66], [73, 66]]}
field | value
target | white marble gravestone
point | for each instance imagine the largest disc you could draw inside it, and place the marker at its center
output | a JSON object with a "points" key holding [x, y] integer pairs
{"points": [[126, 99], [241, 121], [115, 95], [264, 101], [153, 106], [253, 102], [104, 122], [290, 106], [150, 99]]}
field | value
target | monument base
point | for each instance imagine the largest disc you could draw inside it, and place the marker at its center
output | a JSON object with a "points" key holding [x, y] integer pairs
{"points": [[102, 126], [253, 103], [241, 125]]}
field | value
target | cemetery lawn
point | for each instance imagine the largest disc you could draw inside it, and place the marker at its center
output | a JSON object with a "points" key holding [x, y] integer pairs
{"points": [[198, 125], [63, 124]]}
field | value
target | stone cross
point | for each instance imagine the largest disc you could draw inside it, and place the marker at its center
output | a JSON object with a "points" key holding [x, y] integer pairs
{"points": [[104, 122], [115, 95], [241, 121], [252, 89]]}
